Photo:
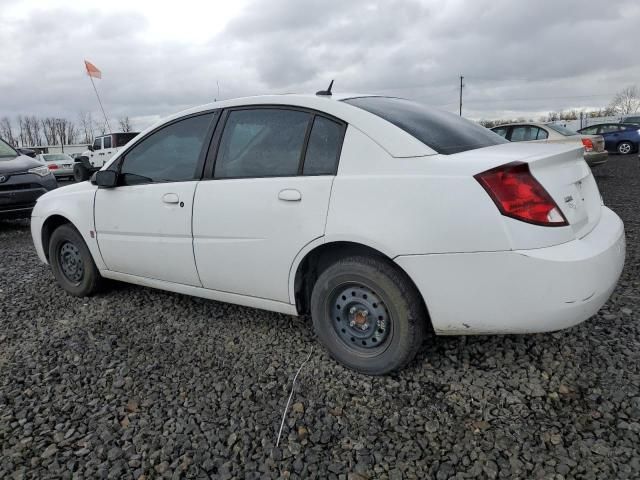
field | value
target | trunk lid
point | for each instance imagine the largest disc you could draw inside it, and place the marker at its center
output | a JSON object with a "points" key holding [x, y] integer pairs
{"points": [[569, 181]]}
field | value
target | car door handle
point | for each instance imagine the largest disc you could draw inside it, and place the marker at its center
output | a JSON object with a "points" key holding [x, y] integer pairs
{"points": [[101, 154], [290, 195], [170, 198]]}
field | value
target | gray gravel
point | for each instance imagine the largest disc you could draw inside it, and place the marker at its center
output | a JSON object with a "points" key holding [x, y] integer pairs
{"points": [[137, 383]]}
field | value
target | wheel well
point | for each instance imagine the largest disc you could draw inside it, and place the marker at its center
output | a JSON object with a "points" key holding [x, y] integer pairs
{"points": [[318, 259], [50, 224]]}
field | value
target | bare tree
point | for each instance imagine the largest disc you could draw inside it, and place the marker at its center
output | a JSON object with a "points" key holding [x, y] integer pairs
{"points": [[86, 127], [125, 124], [626, 101], [6, 131], [49, 130]]}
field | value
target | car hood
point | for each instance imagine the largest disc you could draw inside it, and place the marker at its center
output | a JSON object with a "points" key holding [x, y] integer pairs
{"points": [[21, 163]]}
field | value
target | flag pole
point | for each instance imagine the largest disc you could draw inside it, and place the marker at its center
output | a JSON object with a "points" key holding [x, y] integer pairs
{"points": [[100, 102]]}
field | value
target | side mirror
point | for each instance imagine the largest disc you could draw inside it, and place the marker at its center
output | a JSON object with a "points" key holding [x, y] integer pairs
{"points": [[90, 148], [105, 178]]}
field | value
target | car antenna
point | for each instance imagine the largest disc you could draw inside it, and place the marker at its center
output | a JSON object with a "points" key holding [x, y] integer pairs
{"points": [[326, 92]]}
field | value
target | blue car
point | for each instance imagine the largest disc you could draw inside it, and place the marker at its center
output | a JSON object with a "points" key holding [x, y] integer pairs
{"points": [[621, 138]]}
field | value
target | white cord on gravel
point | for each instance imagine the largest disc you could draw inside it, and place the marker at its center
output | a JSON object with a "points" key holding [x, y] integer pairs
{"points": [[293, 387]]}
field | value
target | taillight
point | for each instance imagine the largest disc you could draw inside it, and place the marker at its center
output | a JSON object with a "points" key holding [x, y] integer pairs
{"points": [[52, 166], [517, 194], [588, 144]]}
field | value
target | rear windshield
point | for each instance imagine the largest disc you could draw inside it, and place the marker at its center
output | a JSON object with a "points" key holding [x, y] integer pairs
{"points": [[6, 150], [562, 130], [53, 157], [444, 132]]}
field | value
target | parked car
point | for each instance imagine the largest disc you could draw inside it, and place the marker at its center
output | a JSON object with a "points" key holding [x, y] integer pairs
{"points": [[618, 137], [380, 217], [22, 181], [60, 164], [631, 119], [103, 148], [594, 151]]}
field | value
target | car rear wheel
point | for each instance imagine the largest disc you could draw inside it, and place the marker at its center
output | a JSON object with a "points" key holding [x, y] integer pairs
{"points": [[72, 263], [80, 172], [625, 148], [368, 314]]}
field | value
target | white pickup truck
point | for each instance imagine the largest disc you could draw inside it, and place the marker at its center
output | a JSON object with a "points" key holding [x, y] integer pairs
{"points": [[104, 147]]}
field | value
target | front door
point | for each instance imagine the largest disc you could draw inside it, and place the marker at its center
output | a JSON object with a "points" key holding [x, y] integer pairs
{"points": [[268, 198], [143, 225]]}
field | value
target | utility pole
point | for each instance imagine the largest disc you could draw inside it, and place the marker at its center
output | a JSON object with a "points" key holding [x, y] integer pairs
{"points": [[461, 85]]}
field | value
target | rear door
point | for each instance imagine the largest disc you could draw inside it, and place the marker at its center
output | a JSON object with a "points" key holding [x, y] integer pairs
{"points": [[266, 198], [144, 224]]}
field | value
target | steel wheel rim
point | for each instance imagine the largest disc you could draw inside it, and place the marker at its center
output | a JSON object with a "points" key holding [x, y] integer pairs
{"points": [[360, 317], [624, 148], [71, 263]]}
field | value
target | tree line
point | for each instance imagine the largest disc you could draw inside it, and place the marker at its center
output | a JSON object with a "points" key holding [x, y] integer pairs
{"points": [[625, 102], [31, 130]]}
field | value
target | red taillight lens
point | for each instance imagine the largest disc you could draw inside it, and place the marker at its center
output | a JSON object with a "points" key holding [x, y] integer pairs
{"points": [[517, 194], [588, 144], [52, 166]]}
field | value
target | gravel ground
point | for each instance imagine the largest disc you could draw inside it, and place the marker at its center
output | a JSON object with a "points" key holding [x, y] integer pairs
{"points": [[137, 383]]}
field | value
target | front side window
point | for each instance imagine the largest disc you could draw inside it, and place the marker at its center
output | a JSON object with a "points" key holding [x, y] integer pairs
{"points": [[323, 149], [441, 131], [6, 150], [167, 155], [97, 144], [263, 142], [106, 142]]}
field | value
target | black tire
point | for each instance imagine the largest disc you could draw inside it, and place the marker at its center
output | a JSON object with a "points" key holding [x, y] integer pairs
{"points": [[67, 242], [399, 306], [80, 172], [625, 148]]}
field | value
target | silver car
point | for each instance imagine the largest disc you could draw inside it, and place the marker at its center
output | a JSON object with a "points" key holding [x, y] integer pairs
{"points": [[60, 164], [594, 151]]}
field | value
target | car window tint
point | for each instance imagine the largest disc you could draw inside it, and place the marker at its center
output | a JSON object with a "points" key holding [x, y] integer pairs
{"points": [[97, 144], [444, 132], [524, 133], [323, 149], [542, 134], [123, 138], [502, 131], [168, 155], [106, 142], [265, 142]]}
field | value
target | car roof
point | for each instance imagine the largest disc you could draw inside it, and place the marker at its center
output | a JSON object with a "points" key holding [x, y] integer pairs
{"points": [[394, 140]]}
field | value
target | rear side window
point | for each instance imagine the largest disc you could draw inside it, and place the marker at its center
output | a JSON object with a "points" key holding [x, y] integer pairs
{"points": [[502, 131], [107, 142], [527, 133], [444, 132], [323, 150], [263, 142]]}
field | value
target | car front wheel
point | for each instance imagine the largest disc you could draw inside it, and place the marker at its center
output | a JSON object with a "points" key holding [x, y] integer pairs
{"points": [[625, 148], [72, 263], [368, 314]]}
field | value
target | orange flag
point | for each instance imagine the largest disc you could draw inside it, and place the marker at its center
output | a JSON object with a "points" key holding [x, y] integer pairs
{"points": [[92, 70]]}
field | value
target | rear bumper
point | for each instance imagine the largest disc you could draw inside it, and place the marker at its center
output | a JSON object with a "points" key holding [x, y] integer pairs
{"points": [[596, 158], [522, 291]]}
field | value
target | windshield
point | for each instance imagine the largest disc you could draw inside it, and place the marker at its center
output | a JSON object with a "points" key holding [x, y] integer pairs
{"points": [[561, 130], [444, 132], [53, 157], [6, 150]]}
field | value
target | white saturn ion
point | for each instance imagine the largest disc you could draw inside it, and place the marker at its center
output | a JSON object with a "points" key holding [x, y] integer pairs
{"points": [[381, 218]]}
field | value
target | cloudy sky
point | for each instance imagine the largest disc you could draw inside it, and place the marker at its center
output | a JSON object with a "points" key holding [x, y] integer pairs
{"points": [[518, 58]]}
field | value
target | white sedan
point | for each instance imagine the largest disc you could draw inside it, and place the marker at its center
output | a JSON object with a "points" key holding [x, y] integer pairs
{"points": [[381, 218], [60, 164]]}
